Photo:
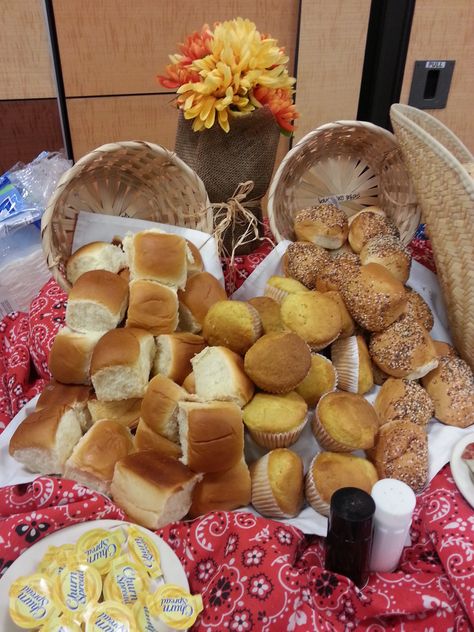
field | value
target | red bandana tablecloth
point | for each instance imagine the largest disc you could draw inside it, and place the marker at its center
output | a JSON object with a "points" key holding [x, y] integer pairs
{"points": [[254, 574]]}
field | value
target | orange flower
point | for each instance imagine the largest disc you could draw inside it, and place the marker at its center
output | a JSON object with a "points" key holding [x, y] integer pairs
{"points": [[196, 46], [281, 104]]}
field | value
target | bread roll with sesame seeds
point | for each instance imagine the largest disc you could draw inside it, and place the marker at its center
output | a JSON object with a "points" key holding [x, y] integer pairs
{"points": [[338, 268], [418, 309], [325, 225], [388, 251], [303, 261], [368, 224], [403, 400]]}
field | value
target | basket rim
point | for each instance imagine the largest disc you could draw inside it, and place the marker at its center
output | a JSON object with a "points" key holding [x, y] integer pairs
{"points": [[294, 150]]}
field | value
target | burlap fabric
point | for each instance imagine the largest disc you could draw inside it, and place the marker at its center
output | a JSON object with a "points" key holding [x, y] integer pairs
{"points": [[225, 160]]}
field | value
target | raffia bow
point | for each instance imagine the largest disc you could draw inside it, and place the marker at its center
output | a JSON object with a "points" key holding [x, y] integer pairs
{"points": [[236, 212]]}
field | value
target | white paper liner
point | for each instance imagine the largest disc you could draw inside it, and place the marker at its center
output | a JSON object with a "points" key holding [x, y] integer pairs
{"points": [[345, 357], [273, 440], [262, 495], [256, 320], [311, 493], [275, 293]]}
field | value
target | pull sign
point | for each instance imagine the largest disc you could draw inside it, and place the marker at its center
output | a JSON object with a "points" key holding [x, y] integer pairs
{"points": [[430, 84]]}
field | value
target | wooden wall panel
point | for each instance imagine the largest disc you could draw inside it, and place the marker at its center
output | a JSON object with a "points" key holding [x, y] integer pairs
{"points": [[28, 127], [330, 61], [25, 64], [119, 46], [445, 30]]}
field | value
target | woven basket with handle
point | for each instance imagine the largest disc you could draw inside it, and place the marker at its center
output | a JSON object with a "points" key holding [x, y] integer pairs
{"points": [[355, 163], [440, 167], [129, 179]]}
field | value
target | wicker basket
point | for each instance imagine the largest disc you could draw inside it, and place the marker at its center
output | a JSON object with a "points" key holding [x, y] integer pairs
{"points": [[355, 162], [439, 166], [130, 179]]}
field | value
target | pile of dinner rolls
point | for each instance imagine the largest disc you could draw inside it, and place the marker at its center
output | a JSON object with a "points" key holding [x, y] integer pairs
{"points": [[157, 376]]}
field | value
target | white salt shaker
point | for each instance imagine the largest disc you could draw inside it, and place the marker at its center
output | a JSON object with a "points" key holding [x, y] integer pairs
{"points": [[394, 505]]}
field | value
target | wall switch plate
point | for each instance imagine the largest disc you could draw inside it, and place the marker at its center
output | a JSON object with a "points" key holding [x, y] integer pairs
{"points": [[430, 84]]}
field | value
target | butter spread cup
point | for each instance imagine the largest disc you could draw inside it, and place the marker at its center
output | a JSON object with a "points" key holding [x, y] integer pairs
{"points": [[146, 622], [100, 548], [125, 582], [175, 606], [144, 551], [64, 623], [110, 616], [32, 601], [78, 587]]}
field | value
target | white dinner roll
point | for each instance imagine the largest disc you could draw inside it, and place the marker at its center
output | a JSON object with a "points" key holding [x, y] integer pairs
{"points": [[45, 439], [98, 255], [125, 411], [152, 306], [97, 302], [153, 489], [211, 435], [174, 353], [219, 375], [157, 256], [75, 396], [159, 408], [121, 363], [201, 292], [147, 439], [70, 356], [93, 459]]}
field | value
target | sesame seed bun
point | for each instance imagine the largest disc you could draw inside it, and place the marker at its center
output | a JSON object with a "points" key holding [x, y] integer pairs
{"points": [[325, 225]]}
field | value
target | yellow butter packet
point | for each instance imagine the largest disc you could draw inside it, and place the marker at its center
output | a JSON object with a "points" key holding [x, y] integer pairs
{"points": [[32, 601], [145, 621], [55, 558], [144, 551], [175, 606], [112, 617], [63, 623], [99, 548], [78, 587], [125, 582]]}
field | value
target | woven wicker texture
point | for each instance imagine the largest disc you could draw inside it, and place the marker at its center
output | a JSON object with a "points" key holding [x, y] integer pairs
{"points": [[358, 163], [129, 179], [445, 191]]}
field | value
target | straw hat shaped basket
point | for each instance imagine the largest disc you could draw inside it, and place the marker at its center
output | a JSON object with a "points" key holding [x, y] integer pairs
{"points": [[352, 163], [130, 179], [441, 170]]}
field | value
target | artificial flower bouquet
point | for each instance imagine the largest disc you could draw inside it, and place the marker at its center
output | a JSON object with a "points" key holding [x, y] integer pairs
{"points": [[235, 97]]}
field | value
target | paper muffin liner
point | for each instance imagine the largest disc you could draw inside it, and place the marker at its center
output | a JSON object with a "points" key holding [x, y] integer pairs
{"points": [[345, 357], [311, 493], [323, 437], [256, 320], [262, 495], [273, 440], [275, 293], [322, 345]]}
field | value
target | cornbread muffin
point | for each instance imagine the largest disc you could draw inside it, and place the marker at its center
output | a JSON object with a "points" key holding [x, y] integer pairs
{"points": [[373, 296], [269, 312], [444, 349], [451, 387], [278, 287], [388, 251], [418, 309], [275, 421], [344, 422], [367, 225], [348, 324], [232, 324], [303, 261], [401, 452], [277, 484], [336, 271], [325, 225], [278, 362], [322, 378], [352, 361], [330, 471], [404, 349], [403, 400], [313, 316]]}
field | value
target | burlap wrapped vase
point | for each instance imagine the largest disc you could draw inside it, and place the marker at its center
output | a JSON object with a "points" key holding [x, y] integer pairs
{"points": [[224, 161]]}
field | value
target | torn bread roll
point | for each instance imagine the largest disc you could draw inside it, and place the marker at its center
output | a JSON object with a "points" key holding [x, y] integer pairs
{"points": [[98, 255], [93, 459], [219, 375], [160, 406], [174, 353], [153, 489], [157, 256], [45, 439], [75, 396], [97, 302], [121, 364], [201, 292], [147, 439], [222, 491], [70, 356], [125, 411], [195, 262], [211, 435], [153, 307]]}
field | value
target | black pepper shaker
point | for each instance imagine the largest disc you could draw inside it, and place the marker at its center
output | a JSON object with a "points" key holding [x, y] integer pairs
{"points": [[349, 538]]}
